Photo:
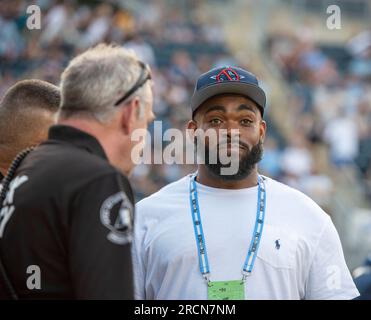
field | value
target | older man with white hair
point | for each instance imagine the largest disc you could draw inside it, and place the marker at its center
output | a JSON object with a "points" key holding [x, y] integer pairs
{"points": [[67, 207]]}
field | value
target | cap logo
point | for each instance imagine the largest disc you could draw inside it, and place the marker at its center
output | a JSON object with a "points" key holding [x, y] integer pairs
{"points": [[227, 74]]}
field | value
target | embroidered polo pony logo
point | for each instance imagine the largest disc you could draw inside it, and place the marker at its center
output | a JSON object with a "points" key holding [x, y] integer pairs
{"points": [[278, 244]]}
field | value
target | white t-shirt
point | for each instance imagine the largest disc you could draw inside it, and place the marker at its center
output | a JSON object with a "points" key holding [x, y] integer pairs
{"points": [[307, 264]]}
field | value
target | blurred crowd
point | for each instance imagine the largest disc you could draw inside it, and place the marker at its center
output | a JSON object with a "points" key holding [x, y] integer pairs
{"points": [[329, 103], [177, 46]]}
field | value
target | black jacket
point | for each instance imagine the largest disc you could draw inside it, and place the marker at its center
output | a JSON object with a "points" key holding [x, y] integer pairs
{"points": [[69, 213]]}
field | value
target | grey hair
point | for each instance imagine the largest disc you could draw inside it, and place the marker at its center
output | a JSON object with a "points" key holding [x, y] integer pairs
{"points": [[94, 80]]}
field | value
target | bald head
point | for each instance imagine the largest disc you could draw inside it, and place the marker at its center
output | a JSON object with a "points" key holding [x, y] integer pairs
{"points": [[26, 112]]}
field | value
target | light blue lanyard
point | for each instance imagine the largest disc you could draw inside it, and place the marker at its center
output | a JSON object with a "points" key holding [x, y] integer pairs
{"points": [[199, 234]]}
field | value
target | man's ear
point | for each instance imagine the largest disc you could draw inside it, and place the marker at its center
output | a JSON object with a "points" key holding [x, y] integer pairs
{"points": [[129, 115], [191, 127], [263, 128]]}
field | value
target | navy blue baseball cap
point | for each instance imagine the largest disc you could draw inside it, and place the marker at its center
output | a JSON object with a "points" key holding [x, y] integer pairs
{"points": [[224, 80]]}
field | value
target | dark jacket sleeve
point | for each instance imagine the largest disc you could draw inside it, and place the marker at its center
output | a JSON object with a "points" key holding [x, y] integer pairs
{"points": [[100, 236]]}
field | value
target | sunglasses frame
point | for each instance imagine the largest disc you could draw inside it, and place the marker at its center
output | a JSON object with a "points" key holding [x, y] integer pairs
{"points": [[144, 76]]}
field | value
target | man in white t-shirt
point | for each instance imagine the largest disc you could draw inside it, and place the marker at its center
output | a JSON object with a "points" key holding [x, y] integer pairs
{"points": [[241, 236]]}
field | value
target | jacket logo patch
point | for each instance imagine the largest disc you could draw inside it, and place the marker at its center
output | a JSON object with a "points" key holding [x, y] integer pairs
{"points": [[116, 214]]}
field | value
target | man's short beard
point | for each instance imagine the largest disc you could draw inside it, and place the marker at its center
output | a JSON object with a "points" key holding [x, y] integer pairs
{"points": [[245, 167]]}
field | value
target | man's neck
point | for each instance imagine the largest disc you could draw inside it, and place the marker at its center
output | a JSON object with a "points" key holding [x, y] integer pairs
{"points": [[106, 138], [208, 179]]}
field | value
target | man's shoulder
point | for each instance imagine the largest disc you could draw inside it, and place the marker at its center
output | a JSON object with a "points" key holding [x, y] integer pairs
{"points": [[172, 191], [289, 198], [69, 160], [277, 188], [50, 167]]}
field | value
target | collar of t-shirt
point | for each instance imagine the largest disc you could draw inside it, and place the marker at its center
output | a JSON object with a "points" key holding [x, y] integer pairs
{"points": [[225, 192], [78, 138]]}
